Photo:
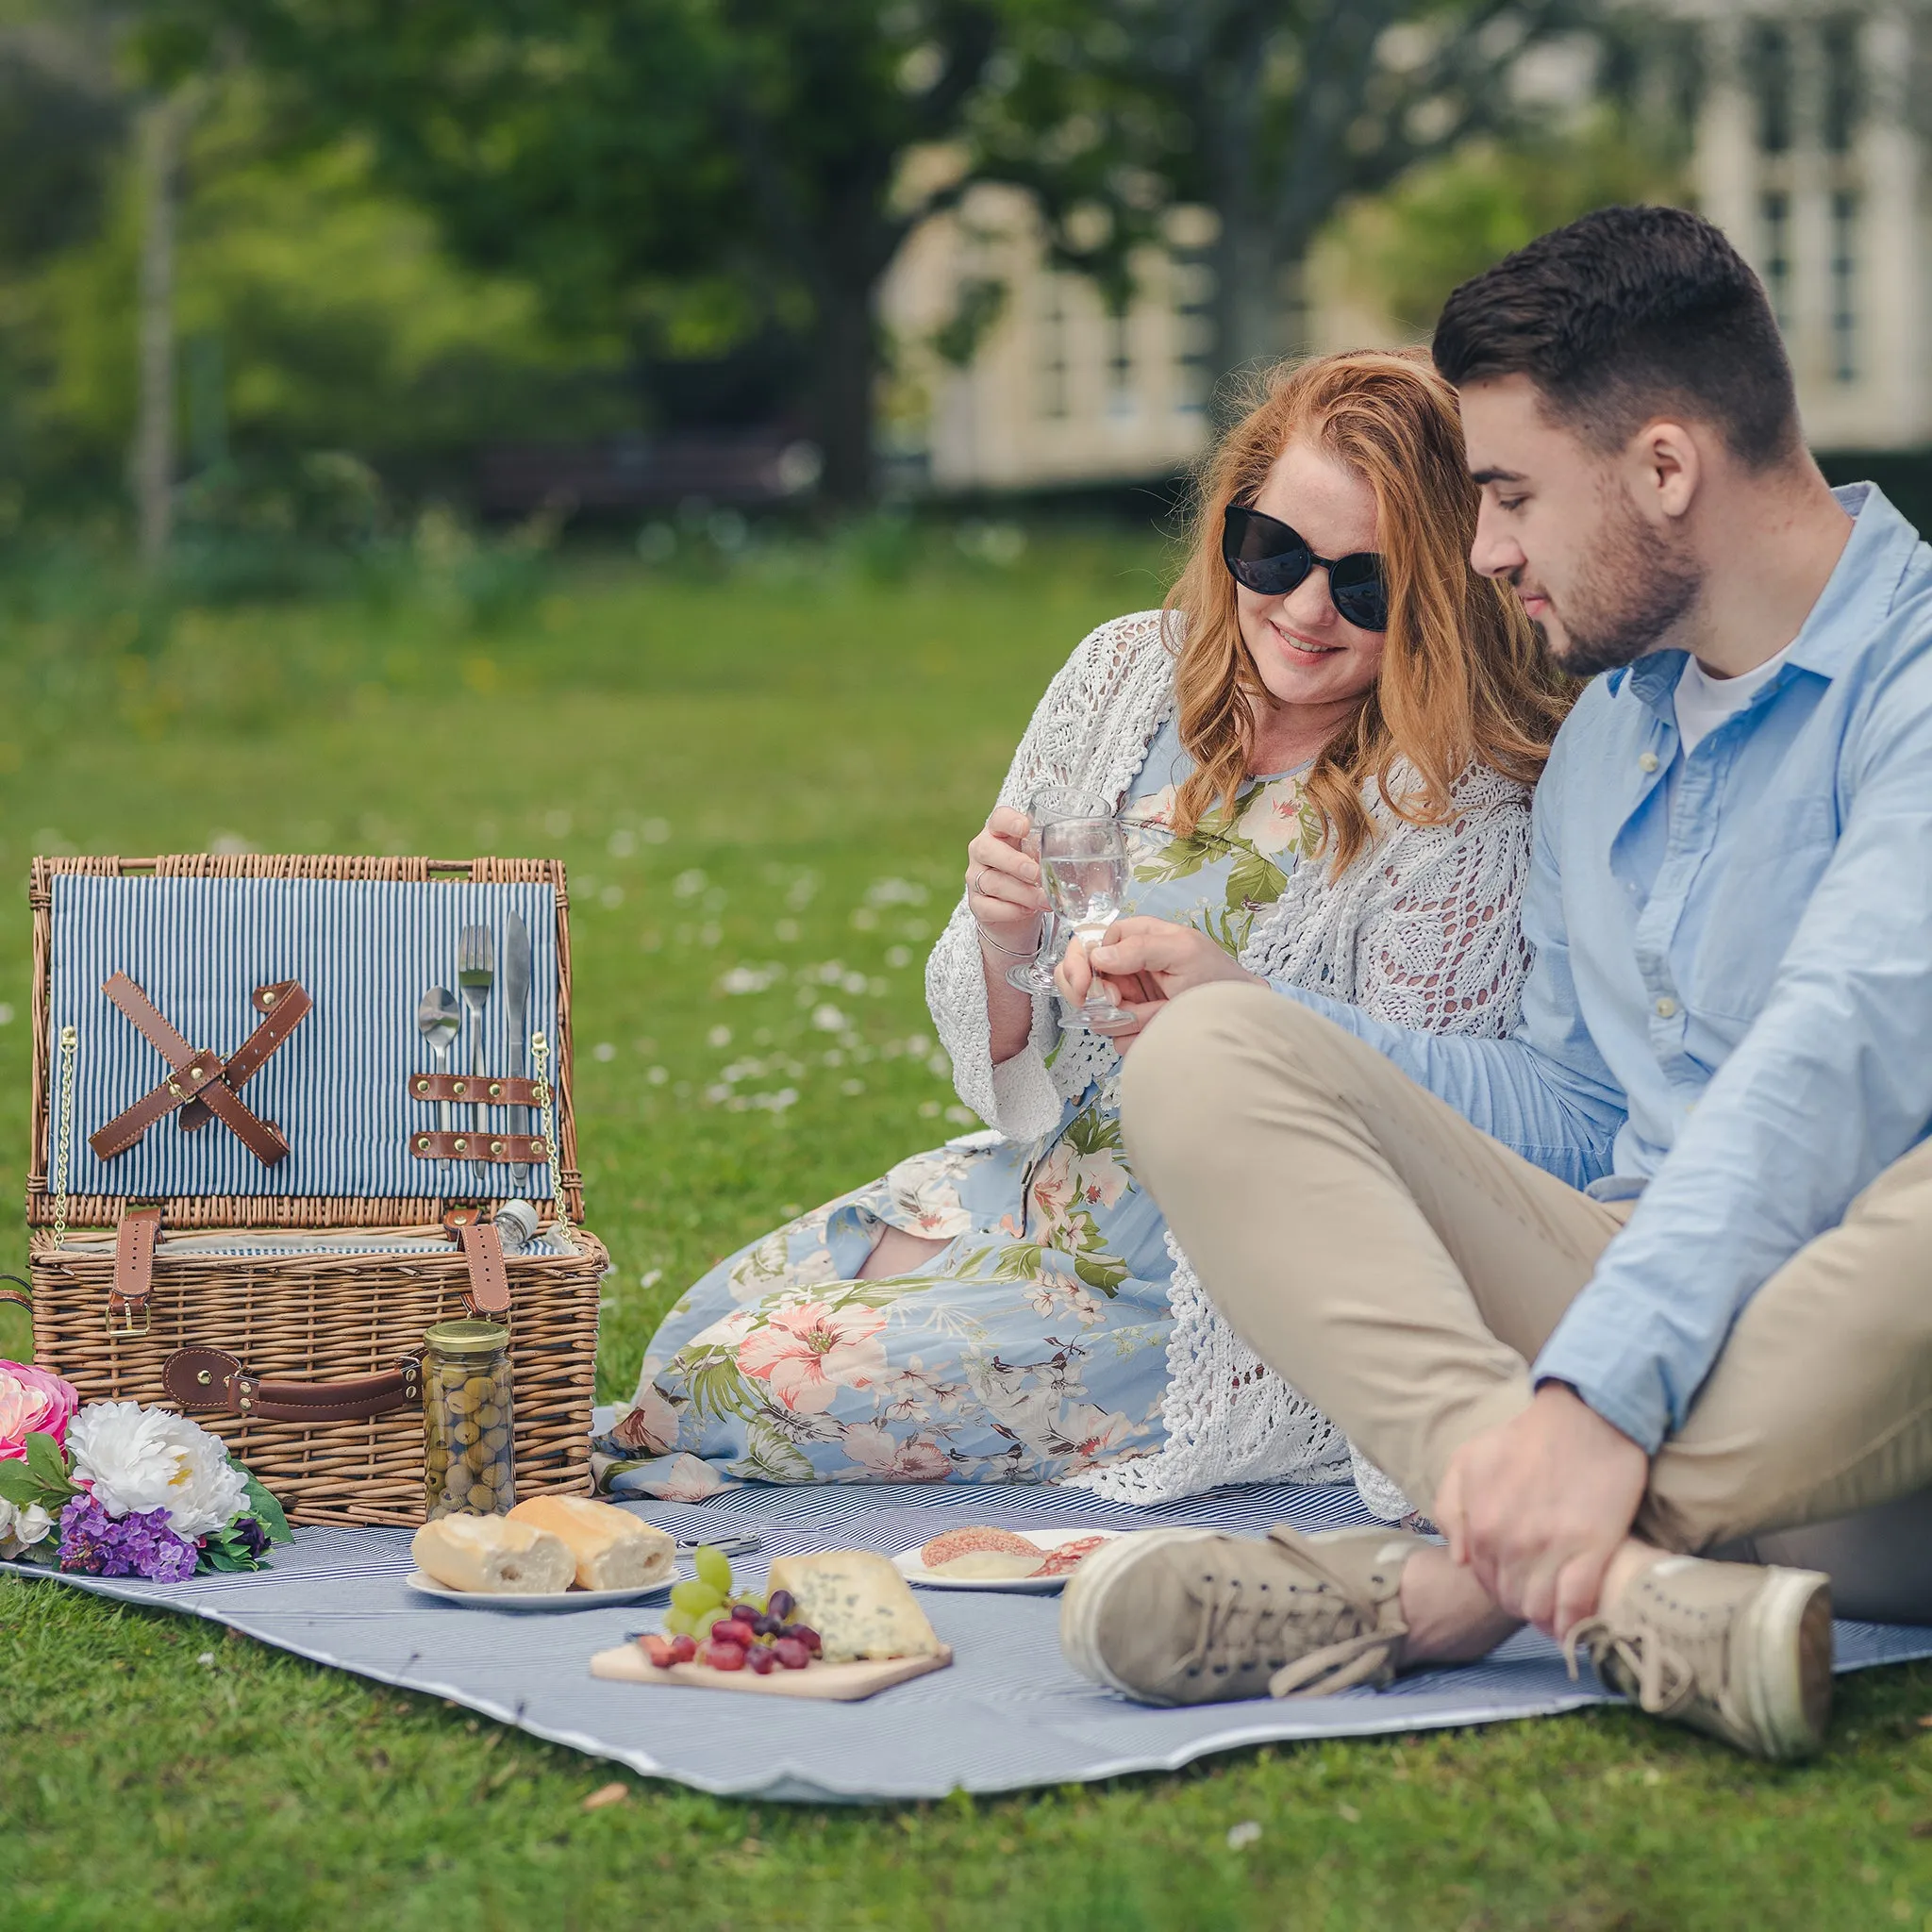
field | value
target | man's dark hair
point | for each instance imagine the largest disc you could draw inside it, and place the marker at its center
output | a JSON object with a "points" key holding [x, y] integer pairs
{"points": [[1628, 314]]}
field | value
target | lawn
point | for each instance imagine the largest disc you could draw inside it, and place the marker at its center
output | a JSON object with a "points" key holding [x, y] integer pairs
{"points": [[762, 779]]}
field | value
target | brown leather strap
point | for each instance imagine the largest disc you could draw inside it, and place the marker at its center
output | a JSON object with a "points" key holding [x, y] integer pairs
{"points": [[524, 1150], [474, 1088], [487, 1294], [201, 1085], [208, 1380], [22, 1294], [285, 1006], [134, 1262]]}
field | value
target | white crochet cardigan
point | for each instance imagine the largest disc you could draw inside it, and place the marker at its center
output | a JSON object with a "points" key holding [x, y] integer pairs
{"points": [[1422, 930]]}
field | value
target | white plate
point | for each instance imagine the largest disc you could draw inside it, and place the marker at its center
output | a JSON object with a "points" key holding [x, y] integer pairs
{"points": [[908, 1566], [547, 1600]]}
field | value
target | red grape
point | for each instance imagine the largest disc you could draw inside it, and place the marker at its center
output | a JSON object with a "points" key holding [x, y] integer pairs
{"points": [[724, 1657]]}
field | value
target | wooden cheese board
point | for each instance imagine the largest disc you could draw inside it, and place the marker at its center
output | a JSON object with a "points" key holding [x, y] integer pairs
{"points": [[837, 1683]]}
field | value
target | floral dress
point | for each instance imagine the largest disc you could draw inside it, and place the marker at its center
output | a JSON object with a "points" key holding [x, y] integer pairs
{"points": [[1034, 1343]]}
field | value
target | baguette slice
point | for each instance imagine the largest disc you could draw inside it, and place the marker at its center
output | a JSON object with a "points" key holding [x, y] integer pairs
{"points": [[857, 1602], [612, 1549], [492, 1556]]}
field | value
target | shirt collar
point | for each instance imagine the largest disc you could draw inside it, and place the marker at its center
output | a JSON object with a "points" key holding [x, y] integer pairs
{"points": [[1847, 616]]}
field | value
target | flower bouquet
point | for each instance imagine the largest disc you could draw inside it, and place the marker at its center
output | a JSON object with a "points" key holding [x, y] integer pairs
{"points": [[116, 1490]]}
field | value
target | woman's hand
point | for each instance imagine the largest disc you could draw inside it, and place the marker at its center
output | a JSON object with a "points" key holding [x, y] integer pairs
{"points": [[1145, 962], [1002, 890]]}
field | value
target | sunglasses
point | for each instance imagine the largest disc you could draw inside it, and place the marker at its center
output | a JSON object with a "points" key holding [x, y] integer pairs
{"points": [[1264, 555]]}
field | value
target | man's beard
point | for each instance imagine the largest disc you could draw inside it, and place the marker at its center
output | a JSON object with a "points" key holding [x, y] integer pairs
{"points": [[1630, 593]]}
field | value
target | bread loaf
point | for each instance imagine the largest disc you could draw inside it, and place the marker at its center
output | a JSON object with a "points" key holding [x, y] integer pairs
{"points": [[857, 1602], [492, 1554], [612, 1549]]}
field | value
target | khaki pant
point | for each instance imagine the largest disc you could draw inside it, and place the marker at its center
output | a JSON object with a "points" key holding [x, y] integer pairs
{"points": [[1403, 1270]]}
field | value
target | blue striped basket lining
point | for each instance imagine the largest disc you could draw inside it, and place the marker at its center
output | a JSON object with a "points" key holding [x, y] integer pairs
{"points": [[363, 950]]}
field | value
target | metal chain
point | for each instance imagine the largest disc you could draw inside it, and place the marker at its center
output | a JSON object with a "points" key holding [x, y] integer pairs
{"points": [[547, 1100], [63, 1133]]}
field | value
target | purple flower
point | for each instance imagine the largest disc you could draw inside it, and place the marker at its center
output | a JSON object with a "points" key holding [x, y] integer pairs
{"points": [[251, 1536], [139, 1545]]}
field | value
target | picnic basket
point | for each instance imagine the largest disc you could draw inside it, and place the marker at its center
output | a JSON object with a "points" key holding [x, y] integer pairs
{"points": [[282, 1298]]}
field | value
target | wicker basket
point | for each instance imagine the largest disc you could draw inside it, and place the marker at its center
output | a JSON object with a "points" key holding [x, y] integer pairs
{"points": [[317, 1317]]}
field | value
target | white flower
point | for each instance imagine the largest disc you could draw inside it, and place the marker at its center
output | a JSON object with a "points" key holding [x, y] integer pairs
{"points": [[143, 1458], [22, 1527]]}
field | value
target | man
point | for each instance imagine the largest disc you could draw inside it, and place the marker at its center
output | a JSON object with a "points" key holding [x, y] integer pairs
{"points": [[1652, 1278]]}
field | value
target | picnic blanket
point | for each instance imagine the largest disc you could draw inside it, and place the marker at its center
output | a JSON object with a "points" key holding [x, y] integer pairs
{"points": [[1008, 1714]]}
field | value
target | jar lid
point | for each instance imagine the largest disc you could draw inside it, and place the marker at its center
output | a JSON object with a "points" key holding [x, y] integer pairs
{"points": [[466, 1338]]}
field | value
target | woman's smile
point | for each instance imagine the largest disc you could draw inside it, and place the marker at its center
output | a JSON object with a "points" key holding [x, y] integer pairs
{"points": [[1299, 649]]}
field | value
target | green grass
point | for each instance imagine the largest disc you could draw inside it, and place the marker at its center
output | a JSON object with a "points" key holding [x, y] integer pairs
{"points": [[795, 736]]}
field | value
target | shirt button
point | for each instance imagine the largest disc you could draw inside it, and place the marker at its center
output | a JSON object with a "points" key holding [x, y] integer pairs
{"points": [[1666, 1008], [1647, 762]]}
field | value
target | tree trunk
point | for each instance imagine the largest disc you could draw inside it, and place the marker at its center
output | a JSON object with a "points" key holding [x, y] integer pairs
{"points": [[163, 135], [844, 370]]}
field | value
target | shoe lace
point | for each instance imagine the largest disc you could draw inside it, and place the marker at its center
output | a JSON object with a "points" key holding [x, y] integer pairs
{"points": [[1240, 1624], [1665, 1677]]}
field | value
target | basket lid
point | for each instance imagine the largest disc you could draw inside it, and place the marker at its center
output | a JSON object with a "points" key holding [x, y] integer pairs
{"points": [[338, 1086]]}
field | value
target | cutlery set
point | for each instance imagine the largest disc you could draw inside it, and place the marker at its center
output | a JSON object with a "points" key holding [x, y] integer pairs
{"points": [[439, 1020]]}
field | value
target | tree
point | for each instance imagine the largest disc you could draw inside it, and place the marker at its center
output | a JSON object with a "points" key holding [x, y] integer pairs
{"points": [[1273, 113], [683, 165]]}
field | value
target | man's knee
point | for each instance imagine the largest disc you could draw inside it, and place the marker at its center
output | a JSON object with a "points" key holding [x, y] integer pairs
{"points": [[1190, 1074]]}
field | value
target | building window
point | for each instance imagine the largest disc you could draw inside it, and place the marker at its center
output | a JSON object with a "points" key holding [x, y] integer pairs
{"points": [[1776, 210], [1770, 61], [1844, 273], [1120, 365], [1843, 85], [1051, 364], [1193, 328]]}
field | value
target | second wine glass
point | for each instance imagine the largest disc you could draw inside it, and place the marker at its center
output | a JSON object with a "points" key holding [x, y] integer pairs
{"points": [[1044, 809], [1084, 864]]}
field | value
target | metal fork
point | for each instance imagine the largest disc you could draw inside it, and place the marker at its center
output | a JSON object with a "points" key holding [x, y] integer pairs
{"points": [[476, 974]]}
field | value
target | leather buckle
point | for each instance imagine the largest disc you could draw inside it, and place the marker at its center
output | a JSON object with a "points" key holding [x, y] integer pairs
{"points": [[129, 1333]]}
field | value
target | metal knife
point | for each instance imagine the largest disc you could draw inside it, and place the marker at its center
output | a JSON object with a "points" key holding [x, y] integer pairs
{"points": [[516, 1023]]}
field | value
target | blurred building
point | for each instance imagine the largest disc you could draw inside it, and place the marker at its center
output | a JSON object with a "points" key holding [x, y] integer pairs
{"points": [[1812, 155], [1812, 150]]}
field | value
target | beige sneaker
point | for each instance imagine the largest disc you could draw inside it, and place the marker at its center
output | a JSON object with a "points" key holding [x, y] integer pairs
{"points": [[1197, 1616], [1734, 1649]]}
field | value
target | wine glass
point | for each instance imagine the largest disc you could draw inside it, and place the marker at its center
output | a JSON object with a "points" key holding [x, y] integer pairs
{"points": [[1056, 802], [1085, 861]]}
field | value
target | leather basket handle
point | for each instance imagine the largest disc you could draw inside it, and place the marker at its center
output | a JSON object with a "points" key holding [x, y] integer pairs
{"points": [[20, 1294], [210, 1381]]}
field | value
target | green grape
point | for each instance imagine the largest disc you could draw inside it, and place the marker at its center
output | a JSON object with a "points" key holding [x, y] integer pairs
{"points": [[701, 1623], [677, 1623], [696, 1596], [714, 1568]]}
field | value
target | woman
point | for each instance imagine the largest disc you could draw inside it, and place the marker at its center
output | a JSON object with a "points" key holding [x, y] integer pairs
{"points": [[1322, 750]]}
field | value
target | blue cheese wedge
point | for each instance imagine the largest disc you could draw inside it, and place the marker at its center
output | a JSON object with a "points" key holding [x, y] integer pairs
{"points": [[857, 1602]]}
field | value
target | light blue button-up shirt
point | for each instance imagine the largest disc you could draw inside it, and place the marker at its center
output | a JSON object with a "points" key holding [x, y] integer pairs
{"points": [[1731, 1001]]}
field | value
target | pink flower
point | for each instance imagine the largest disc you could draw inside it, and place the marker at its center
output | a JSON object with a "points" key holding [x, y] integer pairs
{"points": [[808, 1351], [32, 1402], [919, 1460], [650, 1425], [687, 1480]]}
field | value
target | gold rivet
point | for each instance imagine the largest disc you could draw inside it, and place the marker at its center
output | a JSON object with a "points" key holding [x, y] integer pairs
{"points": [[421, 1086], [496, 1088], [176, 1090], [422, 1140], [459, 1088], [461, 1146], [268, 999], [496, 1146], [203, 1376]]}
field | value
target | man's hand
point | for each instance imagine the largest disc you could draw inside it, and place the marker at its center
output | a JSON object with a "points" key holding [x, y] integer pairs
{"points": [[1538, 1506], [1145, 962]]}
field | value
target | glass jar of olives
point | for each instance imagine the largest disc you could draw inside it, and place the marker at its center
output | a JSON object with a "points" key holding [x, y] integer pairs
{"points": [[468, 1459]]}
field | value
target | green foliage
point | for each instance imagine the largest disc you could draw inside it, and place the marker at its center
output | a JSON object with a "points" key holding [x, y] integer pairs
{"points": [[1405, 251], [337, 324]]}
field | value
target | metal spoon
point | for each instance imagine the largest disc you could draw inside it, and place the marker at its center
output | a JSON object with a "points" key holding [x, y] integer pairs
{"points": [[439, 1019]]}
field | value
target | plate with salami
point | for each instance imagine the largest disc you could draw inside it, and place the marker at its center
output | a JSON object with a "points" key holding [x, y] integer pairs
{"points": [[986, 1556]]}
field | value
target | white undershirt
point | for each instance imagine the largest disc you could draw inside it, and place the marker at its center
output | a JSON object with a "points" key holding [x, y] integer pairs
{"points": [[1705, 702]]}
